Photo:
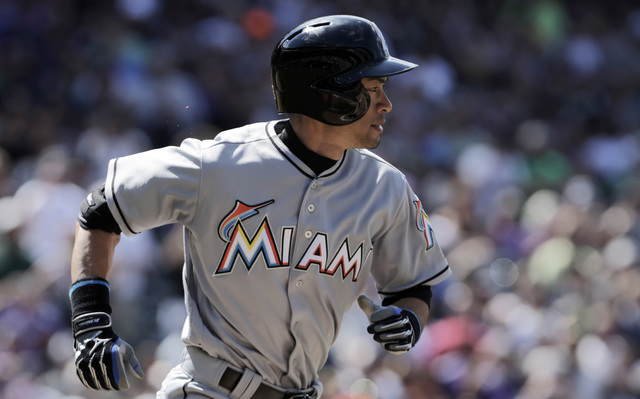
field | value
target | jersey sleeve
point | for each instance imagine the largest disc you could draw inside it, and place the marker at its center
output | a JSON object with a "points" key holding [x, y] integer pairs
{"points": [[408, 254], [154, 188]]}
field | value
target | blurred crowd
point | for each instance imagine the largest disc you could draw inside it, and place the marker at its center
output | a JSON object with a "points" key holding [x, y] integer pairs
{"points": [[520, 131]]}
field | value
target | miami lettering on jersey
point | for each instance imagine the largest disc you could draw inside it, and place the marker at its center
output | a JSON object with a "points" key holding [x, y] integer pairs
{"points": [[249, 247], [424, 225]]}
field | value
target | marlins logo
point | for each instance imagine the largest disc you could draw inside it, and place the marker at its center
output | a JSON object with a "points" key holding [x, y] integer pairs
{"points": [[249, 246], [240, 244], [240, 212], [424, 225]]}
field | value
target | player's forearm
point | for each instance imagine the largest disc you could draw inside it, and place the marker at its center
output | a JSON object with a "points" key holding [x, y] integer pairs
{"points": [[92, 253], [417, 306]]}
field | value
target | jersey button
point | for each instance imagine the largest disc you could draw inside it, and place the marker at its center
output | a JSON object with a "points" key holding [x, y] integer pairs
{"points": [[311, 207], [308, 233], [314, 185], [299, 283]]}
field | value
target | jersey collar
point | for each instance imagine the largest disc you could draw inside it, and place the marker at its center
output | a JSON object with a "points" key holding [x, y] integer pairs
{"points": [[306, 161]]}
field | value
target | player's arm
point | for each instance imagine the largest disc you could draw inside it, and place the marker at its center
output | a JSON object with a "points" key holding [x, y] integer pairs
{"points": [[398, 323], [101, 357], [93, 252]]}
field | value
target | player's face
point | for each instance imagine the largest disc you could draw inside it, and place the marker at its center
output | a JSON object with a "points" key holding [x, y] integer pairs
{"points": [[366, 132]]}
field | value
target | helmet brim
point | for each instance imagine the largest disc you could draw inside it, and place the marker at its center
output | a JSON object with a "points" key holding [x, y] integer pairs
{"points": [[388, 67]]}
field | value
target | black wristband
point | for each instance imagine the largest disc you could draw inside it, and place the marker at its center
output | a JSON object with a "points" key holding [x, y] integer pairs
{"points": [[422, 292], [90, 295]]}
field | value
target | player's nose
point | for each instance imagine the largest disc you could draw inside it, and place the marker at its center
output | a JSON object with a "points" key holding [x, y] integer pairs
{"points": [[384, 104]]}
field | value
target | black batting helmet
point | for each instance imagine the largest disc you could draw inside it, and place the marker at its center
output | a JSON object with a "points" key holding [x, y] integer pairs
{"points": [[316, 68]]}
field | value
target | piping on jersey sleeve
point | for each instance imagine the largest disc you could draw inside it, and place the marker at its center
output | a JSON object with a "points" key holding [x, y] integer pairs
{"points": [[433, 280], [119, 215], [200, 178], [188, 158]]}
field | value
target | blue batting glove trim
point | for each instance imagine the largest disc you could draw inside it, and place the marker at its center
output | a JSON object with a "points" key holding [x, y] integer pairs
{"points": [[87, 282], [114, 361], [418, 320]]}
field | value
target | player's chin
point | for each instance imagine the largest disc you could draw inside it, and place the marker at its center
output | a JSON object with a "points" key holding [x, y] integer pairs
{"points": [[373, 142], [376, 133]]}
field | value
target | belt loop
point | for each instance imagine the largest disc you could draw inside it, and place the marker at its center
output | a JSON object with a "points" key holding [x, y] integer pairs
{"points": [[246, 386]]}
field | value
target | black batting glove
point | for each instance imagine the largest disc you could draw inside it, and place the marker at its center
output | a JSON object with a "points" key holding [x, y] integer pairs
{"points": [[102, 359], [396, 329]]}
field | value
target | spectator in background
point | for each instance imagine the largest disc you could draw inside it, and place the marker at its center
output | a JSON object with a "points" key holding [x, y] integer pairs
{"points": [[537, 100]]}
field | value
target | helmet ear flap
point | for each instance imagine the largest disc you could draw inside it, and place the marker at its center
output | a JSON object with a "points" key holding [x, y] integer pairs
{"points": [[308, 85], [346, 106]]}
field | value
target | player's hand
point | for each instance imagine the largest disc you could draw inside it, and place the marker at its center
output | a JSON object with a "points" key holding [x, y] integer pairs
{"points": [[396, 329], [102, 358]]}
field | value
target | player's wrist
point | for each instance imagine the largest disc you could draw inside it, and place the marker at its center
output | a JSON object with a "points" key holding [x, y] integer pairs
{"points": [[415, 325], [90, 295], [89, 323]]}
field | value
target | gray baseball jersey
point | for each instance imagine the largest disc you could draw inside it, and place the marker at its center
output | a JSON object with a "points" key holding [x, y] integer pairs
{"points": [[275, 255]]}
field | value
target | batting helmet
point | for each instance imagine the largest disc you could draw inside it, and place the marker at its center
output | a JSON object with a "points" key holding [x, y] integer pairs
{"points": [[316, 68]]}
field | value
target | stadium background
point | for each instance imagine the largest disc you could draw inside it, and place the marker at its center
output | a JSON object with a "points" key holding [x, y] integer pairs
{"points": [[520, 131]]}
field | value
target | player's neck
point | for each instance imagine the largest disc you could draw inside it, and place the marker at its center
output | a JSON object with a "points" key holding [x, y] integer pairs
{"points": [[318, 137], [317, 162]]}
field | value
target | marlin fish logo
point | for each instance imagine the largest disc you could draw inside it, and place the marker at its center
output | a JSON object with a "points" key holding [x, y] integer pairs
{"points": [[424, 225], [241, 211]]}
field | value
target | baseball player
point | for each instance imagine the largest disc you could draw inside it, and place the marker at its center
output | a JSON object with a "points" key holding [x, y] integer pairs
{"points": [[284, 223]]}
